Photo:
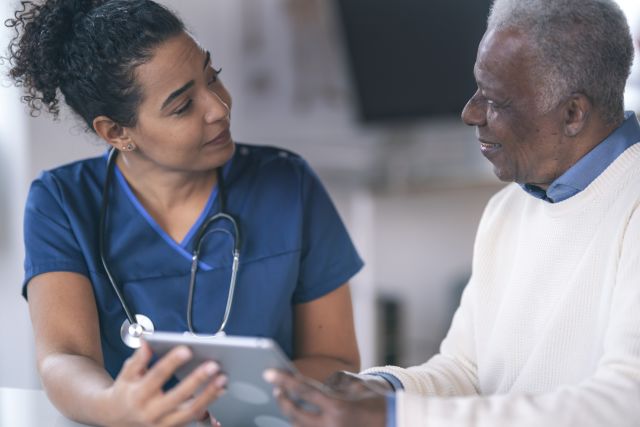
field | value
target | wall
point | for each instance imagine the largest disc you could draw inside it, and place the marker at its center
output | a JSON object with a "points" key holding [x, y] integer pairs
{"points": [[632, 95], [16, 356]]}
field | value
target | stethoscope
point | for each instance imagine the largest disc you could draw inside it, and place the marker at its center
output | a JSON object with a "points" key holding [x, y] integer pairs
{"points": [[135, 326]]}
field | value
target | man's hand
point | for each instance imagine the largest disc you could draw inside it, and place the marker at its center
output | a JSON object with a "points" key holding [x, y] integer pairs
{"points": [[348, 383], [310, 404]]}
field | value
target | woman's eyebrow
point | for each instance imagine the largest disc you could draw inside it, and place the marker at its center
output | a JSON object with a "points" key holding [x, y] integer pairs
{"points": [[178, 92]]}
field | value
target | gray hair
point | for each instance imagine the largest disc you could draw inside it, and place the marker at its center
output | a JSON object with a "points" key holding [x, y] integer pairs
{"points": [[580, 46]]}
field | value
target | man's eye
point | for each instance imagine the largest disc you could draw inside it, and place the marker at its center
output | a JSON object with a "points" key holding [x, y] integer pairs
{"points": [[493, 104], [183, 109]]}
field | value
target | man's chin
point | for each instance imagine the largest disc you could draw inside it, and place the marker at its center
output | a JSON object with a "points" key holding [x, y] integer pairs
{"points": [[503, 175]]}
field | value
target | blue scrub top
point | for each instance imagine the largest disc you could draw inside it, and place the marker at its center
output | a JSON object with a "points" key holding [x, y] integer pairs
{"points": [[294, 248]]}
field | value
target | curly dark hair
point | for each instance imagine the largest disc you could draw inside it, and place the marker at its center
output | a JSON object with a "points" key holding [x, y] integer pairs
{"points": [[87, 50]]}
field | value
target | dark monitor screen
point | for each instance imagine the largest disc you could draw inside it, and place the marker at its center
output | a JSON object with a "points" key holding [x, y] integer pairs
{"points": [[412, 59]]}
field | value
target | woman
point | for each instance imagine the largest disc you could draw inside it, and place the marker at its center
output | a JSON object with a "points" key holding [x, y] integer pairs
{"points": [[138, 80]]}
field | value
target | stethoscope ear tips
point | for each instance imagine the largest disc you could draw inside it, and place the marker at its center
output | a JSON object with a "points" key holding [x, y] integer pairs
{"points": [[131, 334]]}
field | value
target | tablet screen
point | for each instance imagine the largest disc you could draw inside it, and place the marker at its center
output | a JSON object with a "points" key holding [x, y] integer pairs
{"points": [[249, 398]]}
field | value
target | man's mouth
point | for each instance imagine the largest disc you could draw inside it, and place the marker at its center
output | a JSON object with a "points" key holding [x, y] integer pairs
{"points": [[487, 147]]}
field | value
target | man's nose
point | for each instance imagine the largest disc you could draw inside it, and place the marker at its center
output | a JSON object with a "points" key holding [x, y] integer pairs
{"points": [[474, 112]]}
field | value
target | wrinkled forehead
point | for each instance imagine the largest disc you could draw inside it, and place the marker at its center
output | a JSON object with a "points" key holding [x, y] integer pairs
{"points": [[505, 58], [502, 48]]}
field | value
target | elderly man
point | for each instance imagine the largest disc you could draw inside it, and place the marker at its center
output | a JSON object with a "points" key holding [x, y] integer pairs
{"points": [[548, 329]]}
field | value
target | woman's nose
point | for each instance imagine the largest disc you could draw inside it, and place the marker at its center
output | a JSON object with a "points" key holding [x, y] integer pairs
{"points": [[218, 107], [474, 112]]}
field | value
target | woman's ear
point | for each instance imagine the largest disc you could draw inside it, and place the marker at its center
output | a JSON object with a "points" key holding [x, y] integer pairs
{"points": [[576, 113], [114, 134]]}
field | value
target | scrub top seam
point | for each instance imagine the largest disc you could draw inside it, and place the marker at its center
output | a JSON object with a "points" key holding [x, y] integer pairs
{"points": [[186, 272], [63, 203], [52, 267], [334, 282]]}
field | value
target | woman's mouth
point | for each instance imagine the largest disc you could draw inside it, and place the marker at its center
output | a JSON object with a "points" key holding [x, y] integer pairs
{"points": [[222, 138]]}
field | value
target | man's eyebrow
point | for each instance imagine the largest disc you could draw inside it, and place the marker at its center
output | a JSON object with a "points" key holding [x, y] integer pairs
{"points": [[186, 87]]}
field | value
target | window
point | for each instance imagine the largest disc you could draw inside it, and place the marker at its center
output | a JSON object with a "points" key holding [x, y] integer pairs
{"points": [[632, 95]]}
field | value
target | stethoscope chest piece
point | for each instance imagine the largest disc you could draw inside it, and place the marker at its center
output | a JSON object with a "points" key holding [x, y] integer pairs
{"points": [[132, 334]]}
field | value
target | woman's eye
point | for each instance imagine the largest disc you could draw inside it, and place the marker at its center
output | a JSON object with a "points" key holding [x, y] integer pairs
{"points": [[183, 109], [214, 78]]}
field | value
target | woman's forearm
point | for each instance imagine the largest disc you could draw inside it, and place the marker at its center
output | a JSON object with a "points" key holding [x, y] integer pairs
{"points": [[78, 386], [325, 340], [321, 367]]}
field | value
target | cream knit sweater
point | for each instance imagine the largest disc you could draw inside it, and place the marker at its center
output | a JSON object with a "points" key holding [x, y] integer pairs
{"points": [[548, 329]]}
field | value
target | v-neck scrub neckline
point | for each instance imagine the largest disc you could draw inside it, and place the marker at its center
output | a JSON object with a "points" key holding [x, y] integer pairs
{"points": [[182, 247]]}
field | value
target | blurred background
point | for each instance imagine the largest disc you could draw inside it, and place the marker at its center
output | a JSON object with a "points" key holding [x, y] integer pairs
{"points": [[369, 92]]}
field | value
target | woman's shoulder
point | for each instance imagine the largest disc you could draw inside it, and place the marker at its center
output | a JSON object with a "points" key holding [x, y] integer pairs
{"points": [[77, 170], [77, 176], [269, 160], [266, 173], [267, 154]]}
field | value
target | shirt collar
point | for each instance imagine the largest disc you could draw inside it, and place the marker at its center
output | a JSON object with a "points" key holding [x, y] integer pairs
{"points": [[589, 167]]}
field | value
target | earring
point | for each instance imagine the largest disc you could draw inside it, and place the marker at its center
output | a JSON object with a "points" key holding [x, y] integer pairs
{"points": [[129, 147]]}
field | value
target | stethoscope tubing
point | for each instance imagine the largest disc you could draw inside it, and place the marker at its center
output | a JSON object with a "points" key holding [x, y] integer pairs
{"points": [[111, 161], [140, 324]]}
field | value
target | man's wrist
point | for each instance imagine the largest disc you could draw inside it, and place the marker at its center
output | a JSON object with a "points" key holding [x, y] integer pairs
{"points": [[378, 381], [392, 382]]}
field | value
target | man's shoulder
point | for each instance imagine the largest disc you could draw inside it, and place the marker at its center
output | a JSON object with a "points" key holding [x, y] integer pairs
{"points": [[502, 208]]}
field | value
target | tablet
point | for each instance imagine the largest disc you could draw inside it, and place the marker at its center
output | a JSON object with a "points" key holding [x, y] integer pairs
{"points": [[249, 398]]}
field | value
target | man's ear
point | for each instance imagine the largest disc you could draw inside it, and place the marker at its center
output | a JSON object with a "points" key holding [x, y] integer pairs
{"points": [[576, 113], [114, 134]]}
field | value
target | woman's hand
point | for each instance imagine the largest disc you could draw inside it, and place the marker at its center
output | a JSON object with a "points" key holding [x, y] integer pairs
{"points": [[309, 404], [136, 398]]}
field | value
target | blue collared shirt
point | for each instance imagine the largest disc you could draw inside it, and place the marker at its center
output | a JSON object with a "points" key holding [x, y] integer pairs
{"points": [[579, 176], [391, 397]]}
